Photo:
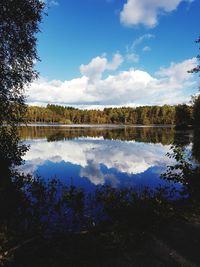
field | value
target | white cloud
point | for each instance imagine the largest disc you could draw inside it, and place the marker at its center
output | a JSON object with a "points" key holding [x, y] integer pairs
{"points": [[146, 12], [146, 49], [116, 62], [178, 72], [95, 68], [140, 39], [131, 87], [99, 65], [132, 57]]}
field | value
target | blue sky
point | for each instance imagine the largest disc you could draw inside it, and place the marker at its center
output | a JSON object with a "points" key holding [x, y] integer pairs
{"points": [[91, 49]]}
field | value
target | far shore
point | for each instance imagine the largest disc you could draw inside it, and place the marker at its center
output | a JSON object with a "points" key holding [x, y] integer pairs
{"points": [[98, 125]]}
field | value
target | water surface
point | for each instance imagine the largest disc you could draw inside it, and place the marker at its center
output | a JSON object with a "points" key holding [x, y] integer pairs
{"points": [[101, 155]]}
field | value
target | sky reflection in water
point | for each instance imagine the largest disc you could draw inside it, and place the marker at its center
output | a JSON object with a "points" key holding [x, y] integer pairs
{"points": [[88, 157]]}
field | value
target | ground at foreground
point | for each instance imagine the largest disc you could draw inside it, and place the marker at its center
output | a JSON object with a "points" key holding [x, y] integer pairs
{"points": [[175, 244]]}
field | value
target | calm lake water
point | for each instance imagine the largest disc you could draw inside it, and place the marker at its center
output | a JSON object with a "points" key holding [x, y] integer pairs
{"points": [[91, 156]]}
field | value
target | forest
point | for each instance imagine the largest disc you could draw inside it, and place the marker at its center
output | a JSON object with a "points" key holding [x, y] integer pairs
{"points": [[145, 115]]}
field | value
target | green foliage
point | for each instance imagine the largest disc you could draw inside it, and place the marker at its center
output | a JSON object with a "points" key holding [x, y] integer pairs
{"points": [[196, 111], [184, 172], [18, 26], [141, 115], [10, 146], [181, 170], [183, 116]]}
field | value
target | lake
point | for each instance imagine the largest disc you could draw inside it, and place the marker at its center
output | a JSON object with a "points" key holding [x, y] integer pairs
{"points": [[90, 156]]}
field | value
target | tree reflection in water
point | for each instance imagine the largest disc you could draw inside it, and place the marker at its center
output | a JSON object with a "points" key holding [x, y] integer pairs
{"points": [[164, 135]]}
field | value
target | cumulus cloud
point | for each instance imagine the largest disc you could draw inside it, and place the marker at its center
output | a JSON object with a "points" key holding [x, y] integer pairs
{"points": [[178, 72], [116, 62], [146, 12], [95, 68], [99, 65], [126, 88]]}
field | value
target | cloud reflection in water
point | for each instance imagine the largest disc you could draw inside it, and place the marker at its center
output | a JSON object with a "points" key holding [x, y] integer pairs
{"points": [[96, 161]]}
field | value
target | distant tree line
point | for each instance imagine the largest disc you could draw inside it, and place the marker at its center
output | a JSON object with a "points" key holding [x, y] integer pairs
{"points": [[181, 115]]}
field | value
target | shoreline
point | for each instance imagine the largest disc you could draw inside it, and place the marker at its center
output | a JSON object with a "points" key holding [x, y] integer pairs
{"points": [[98, 125]]}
